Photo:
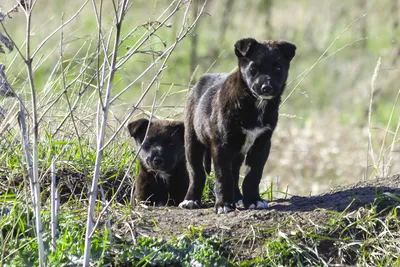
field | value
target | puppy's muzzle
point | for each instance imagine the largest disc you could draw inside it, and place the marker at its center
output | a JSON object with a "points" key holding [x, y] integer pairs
{"points": [[158, 161], [267, 89]]}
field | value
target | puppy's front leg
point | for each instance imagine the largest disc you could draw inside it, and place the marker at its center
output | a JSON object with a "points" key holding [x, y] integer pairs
{"points": [[255, 161], [224, 183]]}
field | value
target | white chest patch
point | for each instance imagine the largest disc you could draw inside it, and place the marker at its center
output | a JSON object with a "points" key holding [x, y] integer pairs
{"points": [[251, 136], [164, 176]]}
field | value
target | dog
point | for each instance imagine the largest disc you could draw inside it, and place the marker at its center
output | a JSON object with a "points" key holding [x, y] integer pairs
{"points": [[232, 116], [163, 178]]}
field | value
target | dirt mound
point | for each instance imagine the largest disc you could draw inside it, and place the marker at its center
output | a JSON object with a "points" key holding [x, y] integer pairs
{"points": [[71, 183], [247, 229], [244, 232]]}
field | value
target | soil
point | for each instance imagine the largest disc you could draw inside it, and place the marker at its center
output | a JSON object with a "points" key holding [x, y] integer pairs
{"points": [[247, 230], [244, 231]]}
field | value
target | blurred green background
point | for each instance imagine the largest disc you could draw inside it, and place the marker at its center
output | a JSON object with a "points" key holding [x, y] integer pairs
{"points": [[322, 137]]}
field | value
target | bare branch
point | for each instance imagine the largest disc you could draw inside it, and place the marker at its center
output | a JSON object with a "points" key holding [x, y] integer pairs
{"points": [[180, 36], [101, 134], [56, 30], [35, 157]]}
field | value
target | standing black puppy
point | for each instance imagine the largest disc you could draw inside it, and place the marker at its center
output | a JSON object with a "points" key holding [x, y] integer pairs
{"points": [[163, 178], [232, 116]]}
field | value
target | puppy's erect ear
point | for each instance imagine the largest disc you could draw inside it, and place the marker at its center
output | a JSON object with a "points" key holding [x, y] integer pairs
{"points": [[287, 49], [180, 129], [137, 129], [243, 46]]}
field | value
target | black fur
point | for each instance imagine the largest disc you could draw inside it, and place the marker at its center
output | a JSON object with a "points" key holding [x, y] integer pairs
{"points": [[162, 178], [224, 110]]}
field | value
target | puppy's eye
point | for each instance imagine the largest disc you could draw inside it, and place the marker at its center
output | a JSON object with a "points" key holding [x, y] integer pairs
{"points": [[146, 145], [277, 68], [253, 70]]}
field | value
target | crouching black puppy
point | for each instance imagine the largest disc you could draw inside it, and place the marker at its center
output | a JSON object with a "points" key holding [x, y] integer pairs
{"points": [[163, 178], [233, 116]]}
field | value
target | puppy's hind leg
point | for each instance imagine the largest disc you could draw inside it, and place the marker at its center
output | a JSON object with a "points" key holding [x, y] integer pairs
{"points": [[207, 161], [197, 176], [236, 164]]}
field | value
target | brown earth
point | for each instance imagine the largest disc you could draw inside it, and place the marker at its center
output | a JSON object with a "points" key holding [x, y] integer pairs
{"points": [[246, 230]]}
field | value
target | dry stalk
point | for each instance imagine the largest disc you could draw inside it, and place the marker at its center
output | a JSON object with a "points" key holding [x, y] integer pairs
{"points": [[8, 119], [25, 145], [386, 169], [64, 86], [373, 80], [32, 161], [179, 38], [78, 98], [392, 145], [35, 158], [183, 98], [321, 58], [167, 51], [166, 54], [116, 192], [108, 224], [56, 30], [54, 207], [146, 36], [101, 132], [67, 87]]}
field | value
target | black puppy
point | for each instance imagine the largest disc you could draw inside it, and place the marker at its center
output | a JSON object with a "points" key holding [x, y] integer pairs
{"points": [[163, 178], [232, 116]]}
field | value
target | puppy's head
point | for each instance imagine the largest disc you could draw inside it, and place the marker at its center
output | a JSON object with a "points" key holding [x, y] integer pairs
{"points": [[163, 146], [264, 66]]}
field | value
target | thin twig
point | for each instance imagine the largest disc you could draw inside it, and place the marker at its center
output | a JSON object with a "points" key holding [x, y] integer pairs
{"points": [[108, 224], [56, 30], [373, 80], [35, 156], [54, 206], [386, 133], [167, 54], [101, 134], [179, 38], [147, 36], [66, 95], [392, 145], [25, 145], [319, 59]]}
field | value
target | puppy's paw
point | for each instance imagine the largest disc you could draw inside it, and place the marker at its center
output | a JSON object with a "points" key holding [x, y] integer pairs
{"points": [[189, 204], [259, 205], [223, 208], [160, 204], [239, 203]]}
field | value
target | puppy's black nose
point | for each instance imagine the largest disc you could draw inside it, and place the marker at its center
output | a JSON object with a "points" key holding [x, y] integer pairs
{"points": [[266, 88], [157, 161]]}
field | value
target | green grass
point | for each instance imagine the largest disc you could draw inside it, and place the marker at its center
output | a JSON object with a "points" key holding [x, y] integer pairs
{"points": [[363, 237], [186, 250], [19, 246]]}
